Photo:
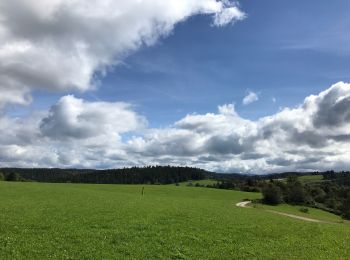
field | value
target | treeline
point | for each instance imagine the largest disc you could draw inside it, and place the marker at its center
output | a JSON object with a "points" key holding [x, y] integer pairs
{"points": [[248, 184], [134, 175], [332, 195], [240, 176]]}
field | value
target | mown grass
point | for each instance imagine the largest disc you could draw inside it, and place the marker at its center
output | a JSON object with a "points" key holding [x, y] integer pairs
{"points": [[72, 221], [311, 178], [200, 182], [306, 178]]}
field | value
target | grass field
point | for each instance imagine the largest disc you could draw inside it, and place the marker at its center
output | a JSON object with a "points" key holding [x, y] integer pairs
{"points": [[201, 182], [306, 179], [312, 212], [311, 178], [77, 221]]}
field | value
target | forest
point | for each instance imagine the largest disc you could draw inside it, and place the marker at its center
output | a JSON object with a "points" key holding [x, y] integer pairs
{"points": [[134, 175]]}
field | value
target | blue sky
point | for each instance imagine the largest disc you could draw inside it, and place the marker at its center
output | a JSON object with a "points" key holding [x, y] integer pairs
{"points": [[284, 50], [134, 83]]}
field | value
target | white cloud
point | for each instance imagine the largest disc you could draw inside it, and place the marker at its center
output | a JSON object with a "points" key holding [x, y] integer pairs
{"points": [[78, 119], [312, 136], [78, 133], [250, 98], [74, 133], [61, 45], [230, 14]]}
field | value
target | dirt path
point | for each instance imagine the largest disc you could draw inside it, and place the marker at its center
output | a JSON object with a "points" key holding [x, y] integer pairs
{"points": [[297, 217], [244, 204]]}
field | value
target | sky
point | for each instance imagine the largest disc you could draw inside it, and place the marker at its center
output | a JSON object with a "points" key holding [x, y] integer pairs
{"points": [[253, 86]]}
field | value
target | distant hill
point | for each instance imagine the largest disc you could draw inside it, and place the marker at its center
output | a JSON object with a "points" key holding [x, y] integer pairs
{"points": [[139, 175]]}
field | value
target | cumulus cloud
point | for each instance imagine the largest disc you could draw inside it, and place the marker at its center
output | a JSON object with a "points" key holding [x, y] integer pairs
{"points": [[62, 45], [250, 98], [314, 135], [65, 45], [332, 107], [73, 133], [77, 133], [78, 119]]}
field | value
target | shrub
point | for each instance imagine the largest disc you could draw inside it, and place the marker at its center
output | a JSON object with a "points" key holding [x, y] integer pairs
{"points": [[346, 215], [296, 194], [292, 179], [346, 209], [333, 203], [2, 177], [318, 194], [272, 194], [304, 210]]}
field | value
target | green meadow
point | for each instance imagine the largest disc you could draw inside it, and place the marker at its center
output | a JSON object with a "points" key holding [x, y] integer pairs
{"points": [[79, 221], [200, 182], [313, 213], [311, 178]]}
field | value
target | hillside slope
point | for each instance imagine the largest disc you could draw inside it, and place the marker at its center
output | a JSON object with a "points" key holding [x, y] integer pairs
{"points": [[80, 221]]}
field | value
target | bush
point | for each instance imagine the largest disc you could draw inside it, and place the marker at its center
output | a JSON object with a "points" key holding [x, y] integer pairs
{"points": [[296, 194], [2, 177], [346, 209], [304, 210], [292, 179], [333, 203], [250, 189], [272, 194], [346, 215], [318, 194]]}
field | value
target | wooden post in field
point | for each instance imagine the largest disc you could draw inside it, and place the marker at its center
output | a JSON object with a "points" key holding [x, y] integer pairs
{"points": [[143, 189]]}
